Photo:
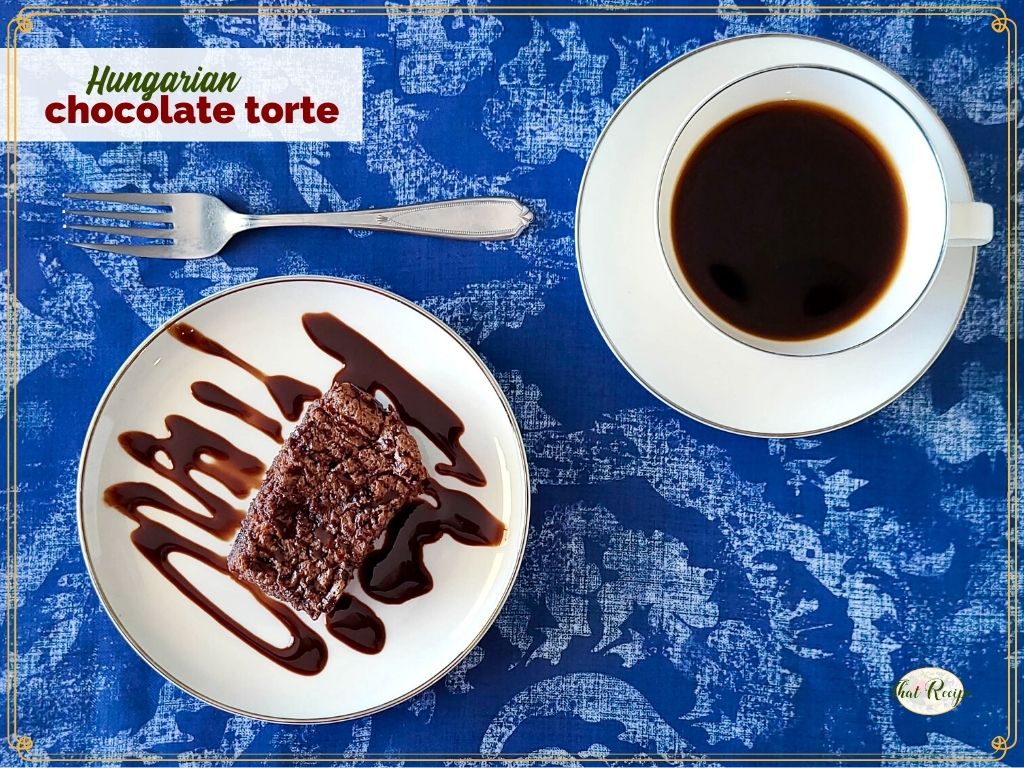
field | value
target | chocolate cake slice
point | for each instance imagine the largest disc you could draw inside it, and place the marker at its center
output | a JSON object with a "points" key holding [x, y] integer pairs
{"points": [[340, 477]]}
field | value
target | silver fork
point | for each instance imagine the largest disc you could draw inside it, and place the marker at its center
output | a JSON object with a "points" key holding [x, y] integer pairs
{"points": [[200, 225]]}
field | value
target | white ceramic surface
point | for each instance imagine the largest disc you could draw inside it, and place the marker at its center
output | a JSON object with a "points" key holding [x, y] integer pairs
{"points": [[660, 336], [426, 636]]}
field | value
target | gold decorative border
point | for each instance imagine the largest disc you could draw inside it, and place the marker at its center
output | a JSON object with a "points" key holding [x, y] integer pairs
{"points": [[21, 23]]}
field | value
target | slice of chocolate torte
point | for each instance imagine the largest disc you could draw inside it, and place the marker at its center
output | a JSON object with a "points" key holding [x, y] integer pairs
{"points": [[340, 477]]}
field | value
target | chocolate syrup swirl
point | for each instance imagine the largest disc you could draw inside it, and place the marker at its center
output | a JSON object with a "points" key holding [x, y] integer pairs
{"points": [[355, 624], [190, 447], [396, 572], [369, 368], [393, 574], [210, 394], [289, 394], [306, 654], [128, 497]]}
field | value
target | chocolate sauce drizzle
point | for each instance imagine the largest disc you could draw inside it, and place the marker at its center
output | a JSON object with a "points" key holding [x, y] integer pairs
{"points": [[393, 574], [190, 447], [210, 394], [354, 623], [396, 572], [289, 394], [306, 654], [369, 368]]}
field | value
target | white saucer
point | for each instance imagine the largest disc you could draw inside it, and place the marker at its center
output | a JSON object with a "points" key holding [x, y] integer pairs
{"points": [[262, 323], [659, 336]]}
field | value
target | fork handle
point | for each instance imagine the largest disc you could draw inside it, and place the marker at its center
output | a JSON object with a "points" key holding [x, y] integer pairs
{"points": [[477, 218]]}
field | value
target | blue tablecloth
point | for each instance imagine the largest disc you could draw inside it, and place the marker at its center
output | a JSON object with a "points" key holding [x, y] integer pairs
{"points": [[684, 590]]}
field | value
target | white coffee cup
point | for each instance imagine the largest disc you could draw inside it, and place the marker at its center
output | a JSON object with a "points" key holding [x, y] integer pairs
{"points": [[933, 222]]}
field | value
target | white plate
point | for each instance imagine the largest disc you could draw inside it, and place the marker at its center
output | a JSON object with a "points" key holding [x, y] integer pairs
{"points": [[426, 636], [659, 336]]}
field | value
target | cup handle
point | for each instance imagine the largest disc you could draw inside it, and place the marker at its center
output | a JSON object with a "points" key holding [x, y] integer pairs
{"points": [[970, 224]]}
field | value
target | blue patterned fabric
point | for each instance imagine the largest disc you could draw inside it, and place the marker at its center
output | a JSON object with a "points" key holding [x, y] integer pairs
{"points": [[684, 591]]}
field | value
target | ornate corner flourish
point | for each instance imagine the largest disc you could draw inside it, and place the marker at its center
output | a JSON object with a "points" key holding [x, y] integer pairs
{"points": [[1000, 746], [22, 745]]}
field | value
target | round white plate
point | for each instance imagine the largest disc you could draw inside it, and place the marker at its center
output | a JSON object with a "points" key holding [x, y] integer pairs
{"points": [[426, 636], [662, 339]]}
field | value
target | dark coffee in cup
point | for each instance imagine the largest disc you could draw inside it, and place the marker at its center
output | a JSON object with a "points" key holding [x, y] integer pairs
{"points": [[802, 211], [788, 220]]}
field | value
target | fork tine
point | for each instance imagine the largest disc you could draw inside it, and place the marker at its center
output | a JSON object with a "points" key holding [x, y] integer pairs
{"points": [[119, 215], [142, 251], [152, 199], [152, 233]]}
